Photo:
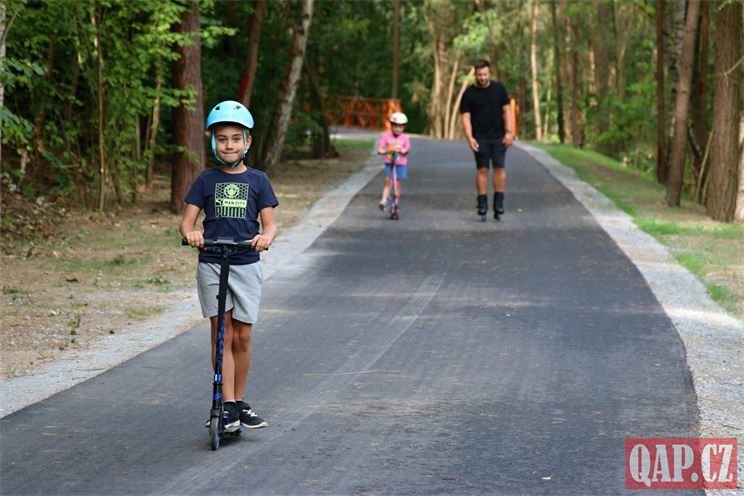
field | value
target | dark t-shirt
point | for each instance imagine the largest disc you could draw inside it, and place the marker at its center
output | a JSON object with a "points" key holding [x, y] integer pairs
{"points": [[485, 106], [231, 204]]}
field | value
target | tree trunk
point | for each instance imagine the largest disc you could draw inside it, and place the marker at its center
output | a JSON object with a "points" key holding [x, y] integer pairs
{"points": [[534, 69], [682, 103], [673, 49], [660, 76], [451, 107], [724, 184], [455, 114], [547, 111], [396, 48], [624, 35], [3, 31], [245, 92], [446, 60], [574, 119], [152, 131], [188, 121], [436, 129], [321, 143], [100, 97], [700, 100], [601, 56], [557, 65], [286, 97]]}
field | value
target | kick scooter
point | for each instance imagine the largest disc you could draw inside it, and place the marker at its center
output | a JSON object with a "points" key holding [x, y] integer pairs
{"points": [[226, 247], [394, 202]]}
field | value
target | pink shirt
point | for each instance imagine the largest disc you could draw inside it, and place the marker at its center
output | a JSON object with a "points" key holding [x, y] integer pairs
{"points": [[402, 140]]}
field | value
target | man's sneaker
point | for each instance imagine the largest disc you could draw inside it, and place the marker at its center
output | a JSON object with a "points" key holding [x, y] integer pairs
{"points": [[249, 419]]}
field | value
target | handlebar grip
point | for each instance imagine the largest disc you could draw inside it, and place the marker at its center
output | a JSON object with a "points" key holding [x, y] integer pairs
{"points": [[221, 242]]}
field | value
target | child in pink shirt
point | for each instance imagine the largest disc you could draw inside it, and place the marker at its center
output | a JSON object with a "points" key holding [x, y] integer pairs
{"points": [[393, 142]]}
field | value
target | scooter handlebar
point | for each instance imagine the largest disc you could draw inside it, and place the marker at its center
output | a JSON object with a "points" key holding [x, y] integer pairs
{"points": [[221, 242]]}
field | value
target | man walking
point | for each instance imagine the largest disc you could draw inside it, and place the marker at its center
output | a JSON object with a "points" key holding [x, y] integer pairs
{"points": [[488, 124]]}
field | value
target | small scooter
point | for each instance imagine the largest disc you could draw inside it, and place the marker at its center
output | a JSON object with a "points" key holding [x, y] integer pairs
{"points": [[226, 247], [395, 191]]}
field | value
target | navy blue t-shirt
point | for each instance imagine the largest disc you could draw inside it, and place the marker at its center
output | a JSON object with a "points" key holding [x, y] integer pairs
{"points": [[231, 204], [485, 106]]}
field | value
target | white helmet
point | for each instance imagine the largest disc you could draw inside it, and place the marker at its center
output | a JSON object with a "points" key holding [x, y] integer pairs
{"points": [[398, 118]]}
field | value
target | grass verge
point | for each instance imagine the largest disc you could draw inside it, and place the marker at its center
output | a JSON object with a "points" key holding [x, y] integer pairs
{"points": [[711, 250]]}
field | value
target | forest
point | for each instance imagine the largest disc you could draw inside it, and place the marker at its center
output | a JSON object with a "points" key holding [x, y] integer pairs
{"points": [[97, 96]]}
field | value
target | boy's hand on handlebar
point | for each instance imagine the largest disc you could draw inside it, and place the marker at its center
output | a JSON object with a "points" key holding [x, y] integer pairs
{"points": [[195, 239], [260, 242]]}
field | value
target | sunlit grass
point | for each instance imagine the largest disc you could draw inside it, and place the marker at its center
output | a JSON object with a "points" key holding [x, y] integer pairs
{"points": [[353, 144]]}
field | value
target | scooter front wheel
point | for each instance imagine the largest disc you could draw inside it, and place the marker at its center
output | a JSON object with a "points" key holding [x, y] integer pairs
{"points": [[215, 433]]}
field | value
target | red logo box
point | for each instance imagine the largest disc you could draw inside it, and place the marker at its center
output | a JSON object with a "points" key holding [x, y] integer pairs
{"points": [[681, 463]]}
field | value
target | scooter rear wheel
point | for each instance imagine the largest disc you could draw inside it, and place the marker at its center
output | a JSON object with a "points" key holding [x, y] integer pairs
{"points": [[215, 433]]}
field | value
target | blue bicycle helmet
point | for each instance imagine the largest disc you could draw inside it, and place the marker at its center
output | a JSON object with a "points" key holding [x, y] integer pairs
{"points": [[230, 112]]}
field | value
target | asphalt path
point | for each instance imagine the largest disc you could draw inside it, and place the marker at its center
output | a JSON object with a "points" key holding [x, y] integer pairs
{"points": [[431, 355]]}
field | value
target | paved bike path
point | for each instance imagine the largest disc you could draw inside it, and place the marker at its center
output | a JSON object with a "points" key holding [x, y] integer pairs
{"points": [[436, 354]]}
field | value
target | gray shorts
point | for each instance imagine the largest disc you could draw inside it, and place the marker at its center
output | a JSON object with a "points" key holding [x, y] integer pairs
{"points": [[244, 290]]}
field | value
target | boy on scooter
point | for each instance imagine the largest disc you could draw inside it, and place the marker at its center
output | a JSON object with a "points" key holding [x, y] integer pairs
{"points": [[234, 199]]}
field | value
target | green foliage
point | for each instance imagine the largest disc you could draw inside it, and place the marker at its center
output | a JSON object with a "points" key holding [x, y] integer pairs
{"points": [[53, 51]]}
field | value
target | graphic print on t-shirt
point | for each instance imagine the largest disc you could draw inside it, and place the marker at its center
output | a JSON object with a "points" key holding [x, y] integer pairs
{"points": [[231, 200]]}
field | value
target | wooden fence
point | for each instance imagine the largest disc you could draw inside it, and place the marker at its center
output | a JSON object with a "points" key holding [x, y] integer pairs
{"points": [[373, 113], [365, 113]]}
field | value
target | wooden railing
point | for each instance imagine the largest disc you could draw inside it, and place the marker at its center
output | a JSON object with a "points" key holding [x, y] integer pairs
{"points": [[373, 113], [365, 113]]}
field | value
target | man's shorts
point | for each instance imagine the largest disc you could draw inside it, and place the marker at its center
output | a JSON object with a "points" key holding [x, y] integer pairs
{"points": [[490, 150], [400, 171], [244, 290]]}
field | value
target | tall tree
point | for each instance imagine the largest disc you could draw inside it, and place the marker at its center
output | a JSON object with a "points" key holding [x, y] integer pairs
{"points": [[188, 120], [443, 22], [601, 53], [100, 101], [660, 77], [575, 79], [396, 42], [3, 29], [293, 71], [673, 50], [557, 68], [437, 13], [700, 102], [321, 145], [724, 186], [248, 79], [682, 103], [534, 69]]}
